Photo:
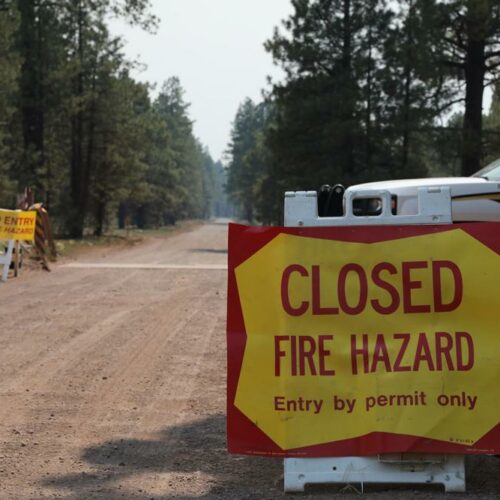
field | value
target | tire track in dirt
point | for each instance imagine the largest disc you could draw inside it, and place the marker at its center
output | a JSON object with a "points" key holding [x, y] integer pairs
{"points": [[48, 326], [145, 358]]}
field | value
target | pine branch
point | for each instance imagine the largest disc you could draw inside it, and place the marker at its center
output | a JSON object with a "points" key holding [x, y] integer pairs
{"points": [[456, 43], [490, 82], [491, 67], [453, 64], [449, 104], [489, 55]]}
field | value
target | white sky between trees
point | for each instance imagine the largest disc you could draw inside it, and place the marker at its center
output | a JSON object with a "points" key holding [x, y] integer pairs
{"points": [[216, 49]]}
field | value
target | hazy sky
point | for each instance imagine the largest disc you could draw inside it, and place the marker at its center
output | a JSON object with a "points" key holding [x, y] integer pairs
{"points": [[215, 48]]}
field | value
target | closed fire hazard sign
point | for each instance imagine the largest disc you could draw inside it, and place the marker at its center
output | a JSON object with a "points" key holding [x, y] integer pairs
{"points": [[366, 340]]}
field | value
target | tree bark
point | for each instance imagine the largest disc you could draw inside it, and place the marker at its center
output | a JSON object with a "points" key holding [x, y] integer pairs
{"points": [[477, 27], [349, 84], [31, 85], [368, 118], [473, 117], [407, 90], [100, 217], [76, 224]]}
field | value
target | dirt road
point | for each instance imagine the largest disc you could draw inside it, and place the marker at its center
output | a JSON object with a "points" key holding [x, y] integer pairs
{"points": [[112, 381]]}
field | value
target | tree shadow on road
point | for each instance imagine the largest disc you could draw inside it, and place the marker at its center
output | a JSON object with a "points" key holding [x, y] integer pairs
{"points": [[209, 250], [195, 462], [186, 451]]}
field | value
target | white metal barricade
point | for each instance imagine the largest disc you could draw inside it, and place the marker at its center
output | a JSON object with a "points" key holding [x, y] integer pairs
{"points": [[301, 210], [6, 259]]}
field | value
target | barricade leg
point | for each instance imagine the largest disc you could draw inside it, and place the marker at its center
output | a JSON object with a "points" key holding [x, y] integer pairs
{"points": [[448, 470], [6, 259]]}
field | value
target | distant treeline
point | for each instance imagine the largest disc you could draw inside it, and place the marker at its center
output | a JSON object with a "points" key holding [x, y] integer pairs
{"points": [[92, 142], [373, 90]]}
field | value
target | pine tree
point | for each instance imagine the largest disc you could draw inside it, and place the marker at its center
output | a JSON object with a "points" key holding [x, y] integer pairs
{"points": [[90, 140], [207, 208], [62, 45], [122, 121], [247, 165], [491, 131], [180, 184], [221, 205], [470, 47]]}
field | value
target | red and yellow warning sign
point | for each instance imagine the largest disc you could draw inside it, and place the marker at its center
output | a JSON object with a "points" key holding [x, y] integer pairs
{"points": [[17, 225], [357, 341]]}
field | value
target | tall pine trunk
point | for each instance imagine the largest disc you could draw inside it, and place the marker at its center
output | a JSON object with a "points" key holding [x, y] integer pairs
{"points": [[407, 90], [31, 85], [100, 217], [473, 117], [368, 118], [76, 224], [349, 86], [477, 27]]}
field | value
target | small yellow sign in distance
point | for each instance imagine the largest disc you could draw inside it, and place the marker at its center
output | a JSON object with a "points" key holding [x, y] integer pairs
{"points": [[17, 225]]}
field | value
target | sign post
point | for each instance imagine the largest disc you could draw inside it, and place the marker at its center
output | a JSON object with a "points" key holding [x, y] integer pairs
{"points": [[364, 349], [15, 226], [6, 259]]}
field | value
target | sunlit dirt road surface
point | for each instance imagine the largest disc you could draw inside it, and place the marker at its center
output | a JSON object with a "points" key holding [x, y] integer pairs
{"points": [[112, 382]]}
